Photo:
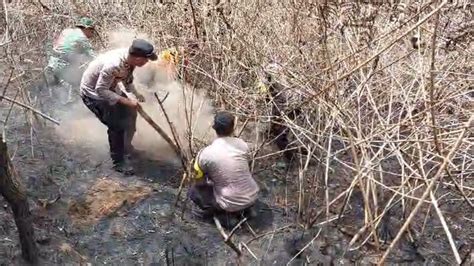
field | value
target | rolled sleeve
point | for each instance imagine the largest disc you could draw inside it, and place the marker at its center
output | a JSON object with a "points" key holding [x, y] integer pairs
{"points": [[200, 165]]}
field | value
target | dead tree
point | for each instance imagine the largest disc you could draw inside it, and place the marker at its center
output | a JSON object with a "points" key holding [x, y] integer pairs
{"points": [[15, 194]]}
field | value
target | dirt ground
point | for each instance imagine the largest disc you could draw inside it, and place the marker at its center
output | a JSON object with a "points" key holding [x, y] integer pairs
{"points": [[86, 213]]}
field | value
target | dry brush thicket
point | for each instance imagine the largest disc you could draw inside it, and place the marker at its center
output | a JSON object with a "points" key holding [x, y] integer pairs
{"points": [[386, 83]]}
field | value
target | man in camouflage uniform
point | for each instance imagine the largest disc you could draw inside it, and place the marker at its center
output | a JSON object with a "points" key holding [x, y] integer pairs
{"points": [[282, 98], [101, 93], [71, 50]]}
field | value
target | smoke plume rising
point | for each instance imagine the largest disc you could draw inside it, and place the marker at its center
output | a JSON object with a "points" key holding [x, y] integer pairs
{"points": [[81, 128]]}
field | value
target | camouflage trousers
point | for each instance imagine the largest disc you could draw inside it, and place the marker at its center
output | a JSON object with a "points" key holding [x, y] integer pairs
{"points": [[62, 70]]}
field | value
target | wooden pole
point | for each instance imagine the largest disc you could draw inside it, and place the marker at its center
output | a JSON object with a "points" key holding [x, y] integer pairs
{"points": [[152, 123], [14, 193], [158, 129]]}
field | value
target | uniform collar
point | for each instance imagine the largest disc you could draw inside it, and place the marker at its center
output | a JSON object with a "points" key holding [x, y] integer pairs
{"points": [[123, 61]]}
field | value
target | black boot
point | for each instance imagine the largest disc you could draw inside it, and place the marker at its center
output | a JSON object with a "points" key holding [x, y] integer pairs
{"points": [[124, 167], [250, 212], [117, 152]]}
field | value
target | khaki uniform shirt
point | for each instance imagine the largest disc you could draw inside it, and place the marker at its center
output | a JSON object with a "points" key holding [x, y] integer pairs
{"points": [[225, 163], [102, 75]]}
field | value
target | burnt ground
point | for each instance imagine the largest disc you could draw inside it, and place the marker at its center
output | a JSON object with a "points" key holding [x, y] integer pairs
{"points": [[86, 213]]}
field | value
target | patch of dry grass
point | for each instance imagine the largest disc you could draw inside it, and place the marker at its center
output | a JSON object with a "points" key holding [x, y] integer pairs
{"points": [[389, 82]]}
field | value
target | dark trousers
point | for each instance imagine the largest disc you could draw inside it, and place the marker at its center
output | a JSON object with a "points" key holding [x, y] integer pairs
{"points": [[120, 121], [279, 131], [203, 196]]}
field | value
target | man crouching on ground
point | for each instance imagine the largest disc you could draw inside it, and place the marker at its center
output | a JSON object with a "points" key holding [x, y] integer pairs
{"points": [[224, 182], [101, 94]]}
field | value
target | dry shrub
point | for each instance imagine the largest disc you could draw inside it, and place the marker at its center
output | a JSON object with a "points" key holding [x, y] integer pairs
{"points": [[385, 98]]}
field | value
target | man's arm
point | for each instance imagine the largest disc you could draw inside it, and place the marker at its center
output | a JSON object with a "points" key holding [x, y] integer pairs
{"points": [[104, 83], [199, 169], [130, 87], [86, 47]]}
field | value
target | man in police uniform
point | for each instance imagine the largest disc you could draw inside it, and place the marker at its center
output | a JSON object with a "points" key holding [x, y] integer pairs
{"points": [[224, 185], [101, 94]]}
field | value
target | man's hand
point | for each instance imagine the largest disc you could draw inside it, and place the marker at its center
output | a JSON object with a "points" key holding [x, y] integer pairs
{"points": [[140, 97]]}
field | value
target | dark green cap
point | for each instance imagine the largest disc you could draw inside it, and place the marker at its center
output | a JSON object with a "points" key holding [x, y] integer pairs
{"points": [[85, 22]]}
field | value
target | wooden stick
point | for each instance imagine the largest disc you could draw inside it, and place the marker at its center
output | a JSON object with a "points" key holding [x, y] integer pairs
{"points": [[180, 189], [250, 251], [7, 83], [11, 108], [235, 228], [269, 233], [7, 22], [439, 147], [196, 31], [183, 157], [154, 125], [173, 132], [446, 228], [243, 127], [251, 229], [226, 238], [434, 126], [157, 128], [305, 247], [31, 109]]}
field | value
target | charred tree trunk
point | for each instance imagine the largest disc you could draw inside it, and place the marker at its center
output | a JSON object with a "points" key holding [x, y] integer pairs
{"points": [[14, 193]]}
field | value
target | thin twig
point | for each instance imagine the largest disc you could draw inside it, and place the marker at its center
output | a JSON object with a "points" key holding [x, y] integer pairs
{"points": [[305, 247], [250, 251], [196, 31], [31, 109], [235, 228], [227, 240]]}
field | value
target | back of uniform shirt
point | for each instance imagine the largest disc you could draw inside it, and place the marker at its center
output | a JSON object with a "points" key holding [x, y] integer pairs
{"points": [[225, 163]]}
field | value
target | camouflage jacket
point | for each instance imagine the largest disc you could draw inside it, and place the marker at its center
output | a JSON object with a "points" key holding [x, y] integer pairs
{"points": [[71, 47]]}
